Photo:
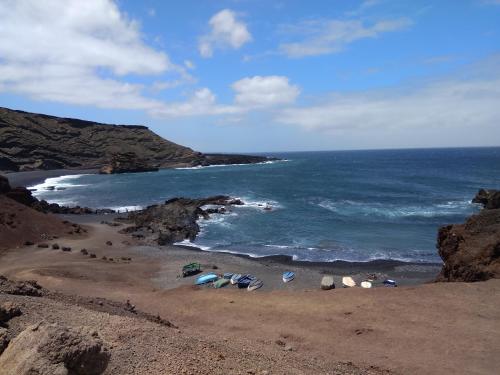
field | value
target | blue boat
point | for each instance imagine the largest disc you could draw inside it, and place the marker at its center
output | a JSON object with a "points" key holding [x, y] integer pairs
{"points": [[207, 278], [245, 281], [228, 275], [390, 283], [288, 276], [235, 278]]}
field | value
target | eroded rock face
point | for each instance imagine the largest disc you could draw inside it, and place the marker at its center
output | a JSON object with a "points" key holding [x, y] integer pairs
{"points": [[51, 349], [490, 199], [471, 251], [127, 162], [32, 141], [176, 220]]}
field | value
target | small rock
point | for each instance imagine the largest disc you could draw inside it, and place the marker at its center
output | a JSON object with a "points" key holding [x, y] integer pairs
{"points": [[104, 258], [109, 243], [43, 245], [110, 259], [9, 310], [4, 339], [288, 348], [92, 255], [84, 251], [66, 248], [28, 243], [55, 246], [280, 343]]}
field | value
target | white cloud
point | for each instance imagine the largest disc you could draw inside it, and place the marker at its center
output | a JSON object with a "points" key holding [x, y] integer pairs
{"points": [[331, 36], [266, 91], [226, 31], [76, 52], [453, 104], [251, 93], [201, 103]]}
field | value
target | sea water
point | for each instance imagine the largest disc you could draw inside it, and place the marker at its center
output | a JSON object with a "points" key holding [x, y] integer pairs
{"points": [[325, 206]]}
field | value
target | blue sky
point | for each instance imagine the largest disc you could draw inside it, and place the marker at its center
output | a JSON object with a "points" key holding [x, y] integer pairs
{"points": [[255, 75]]}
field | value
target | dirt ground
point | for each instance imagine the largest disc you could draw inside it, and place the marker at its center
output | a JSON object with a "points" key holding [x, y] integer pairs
{"points": [[296, 328]]}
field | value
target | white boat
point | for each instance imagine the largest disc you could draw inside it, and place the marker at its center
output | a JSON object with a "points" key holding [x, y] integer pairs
{"points": [[348, 282]]}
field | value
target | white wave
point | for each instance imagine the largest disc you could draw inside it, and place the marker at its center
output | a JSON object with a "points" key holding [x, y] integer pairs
{"points": [[190, 244], [259, 204], [352, 208], [233, 165], [280, 246], [126, 208], [57, 183]]}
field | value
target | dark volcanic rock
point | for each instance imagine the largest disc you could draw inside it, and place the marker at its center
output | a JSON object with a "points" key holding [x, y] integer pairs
{"points": [[218, 159], [490, 199], [21, 288], [175, 220], [471, 251], [22, 195], [31, 141], [127, 162], [4, 185]]}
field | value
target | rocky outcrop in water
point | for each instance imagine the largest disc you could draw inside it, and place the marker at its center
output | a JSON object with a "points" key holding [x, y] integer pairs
{"points": [[30, 141], [471, 251], [176, 219], [127, 162], [490, 199]]}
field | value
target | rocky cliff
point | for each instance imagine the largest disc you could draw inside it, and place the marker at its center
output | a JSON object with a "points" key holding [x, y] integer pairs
{"points": [[471, 251], [30, 141]]}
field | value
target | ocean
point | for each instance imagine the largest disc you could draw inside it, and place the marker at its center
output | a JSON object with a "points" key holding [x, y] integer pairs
{"points": [[325, 206]]}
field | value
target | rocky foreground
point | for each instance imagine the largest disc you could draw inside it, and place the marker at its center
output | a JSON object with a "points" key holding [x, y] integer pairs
{"points": [[31, 141]]}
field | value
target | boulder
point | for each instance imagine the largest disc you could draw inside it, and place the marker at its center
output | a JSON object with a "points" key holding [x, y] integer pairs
{"points": [[9, 310], [490, 199], [471, 251], [4, 185], [51, 349]]}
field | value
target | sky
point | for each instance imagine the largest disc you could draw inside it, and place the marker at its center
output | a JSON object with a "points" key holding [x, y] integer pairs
{"points": [[262, 75]]}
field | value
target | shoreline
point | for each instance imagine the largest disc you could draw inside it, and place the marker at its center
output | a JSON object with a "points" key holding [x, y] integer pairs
{"points": [[31, 178], [411, 272]]}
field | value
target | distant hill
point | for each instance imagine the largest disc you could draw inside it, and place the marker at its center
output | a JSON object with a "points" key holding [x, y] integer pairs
{"points": [[31, 141]]}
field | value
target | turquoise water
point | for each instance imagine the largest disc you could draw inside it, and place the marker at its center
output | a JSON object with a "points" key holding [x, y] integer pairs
{"points": [[326, 206]]}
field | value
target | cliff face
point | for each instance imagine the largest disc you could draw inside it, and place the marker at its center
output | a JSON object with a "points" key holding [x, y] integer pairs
{"points": [[34, 141], [471, 251]]}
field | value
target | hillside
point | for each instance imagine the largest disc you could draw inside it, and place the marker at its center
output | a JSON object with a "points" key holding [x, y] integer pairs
{"points": [[30, 141]]}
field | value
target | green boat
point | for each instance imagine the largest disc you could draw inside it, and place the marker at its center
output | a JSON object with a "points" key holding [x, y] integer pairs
{"points": [[221, 283], [191, 269]]}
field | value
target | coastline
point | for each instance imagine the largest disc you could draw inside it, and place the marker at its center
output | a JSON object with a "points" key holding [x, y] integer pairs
{"points": [[30, 178], [283, 327]]}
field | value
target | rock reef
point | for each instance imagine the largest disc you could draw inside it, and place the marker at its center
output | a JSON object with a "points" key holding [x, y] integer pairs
{"points": [[176, 219]]}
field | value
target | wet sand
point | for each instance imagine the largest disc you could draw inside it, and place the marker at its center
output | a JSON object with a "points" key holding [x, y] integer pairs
{"points": [[413, 329]]}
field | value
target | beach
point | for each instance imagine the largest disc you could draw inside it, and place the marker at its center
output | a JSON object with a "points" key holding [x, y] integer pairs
{"points": [[419, 327]]}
